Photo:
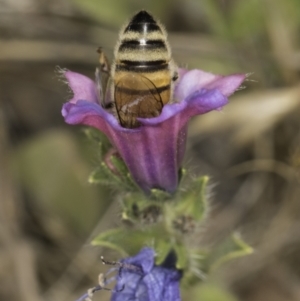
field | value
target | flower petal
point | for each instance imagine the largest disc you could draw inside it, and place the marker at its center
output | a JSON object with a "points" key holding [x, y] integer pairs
{"points": [[203, 101], [199, 102], [195, 80], [153, 283], [227, 84], [144, 259], [163, 284], [91, 114], [83, 87], [151, 155], [182, 72]]}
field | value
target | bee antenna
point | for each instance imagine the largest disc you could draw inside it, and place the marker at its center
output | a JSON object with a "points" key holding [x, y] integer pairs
{"points": [[122, 265], [110, 262]]}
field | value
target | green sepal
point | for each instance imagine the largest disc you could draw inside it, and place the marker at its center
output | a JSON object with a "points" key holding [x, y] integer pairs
{"points": [[120, 179], [195, 267], [120, 166], [124, 241], [136, 207], [103, 175], [97, 139], [193, 202], [231, 248], [197, 263], [182, 174], [163, 248], [182, 256], [160, 195], [130, 241], [124, 174]]}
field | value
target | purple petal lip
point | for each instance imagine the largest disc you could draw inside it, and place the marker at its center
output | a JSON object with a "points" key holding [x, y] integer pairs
{"points": [[190, 82], [194, 80], [82, 87], [154, 151], [151, 283]]}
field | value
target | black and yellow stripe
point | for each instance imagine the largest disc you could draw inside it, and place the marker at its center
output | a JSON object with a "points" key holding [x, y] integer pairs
{"points": [[142, 92], [143, 66]]}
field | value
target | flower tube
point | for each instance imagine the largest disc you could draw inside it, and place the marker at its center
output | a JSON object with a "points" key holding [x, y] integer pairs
{"points": [[153, 152]]}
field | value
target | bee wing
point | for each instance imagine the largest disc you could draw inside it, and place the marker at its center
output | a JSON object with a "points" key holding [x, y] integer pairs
{"points": [[136, 97], [103, 82], [99, 84]]}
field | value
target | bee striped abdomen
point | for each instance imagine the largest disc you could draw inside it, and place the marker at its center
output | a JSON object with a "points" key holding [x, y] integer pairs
{"points": [[142, 22], [148, 45], [142, 71]]}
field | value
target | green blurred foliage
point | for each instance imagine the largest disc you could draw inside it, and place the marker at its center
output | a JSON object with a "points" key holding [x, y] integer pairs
{"points": [[244, 19], [210, 292], [233, 247], [116, 12], [55, 174]]}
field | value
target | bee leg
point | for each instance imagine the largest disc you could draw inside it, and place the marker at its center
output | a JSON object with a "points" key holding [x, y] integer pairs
{"points": [[175, 76], [104, 63]]}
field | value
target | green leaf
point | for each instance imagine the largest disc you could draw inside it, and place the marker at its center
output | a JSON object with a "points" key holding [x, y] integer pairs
{"points": [[233, 247], [160, 195], [122, 240]]}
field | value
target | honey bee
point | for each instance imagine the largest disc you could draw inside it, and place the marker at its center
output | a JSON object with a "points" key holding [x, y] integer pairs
{"points": [[143, 72]]}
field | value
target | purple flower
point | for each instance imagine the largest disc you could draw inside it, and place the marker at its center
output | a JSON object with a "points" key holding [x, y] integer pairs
{"points": [[138, 279], [154, 151], [144, 281]]}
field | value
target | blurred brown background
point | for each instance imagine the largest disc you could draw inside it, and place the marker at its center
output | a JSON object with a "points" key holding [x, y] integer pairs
{"points": [[251, 151]]}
